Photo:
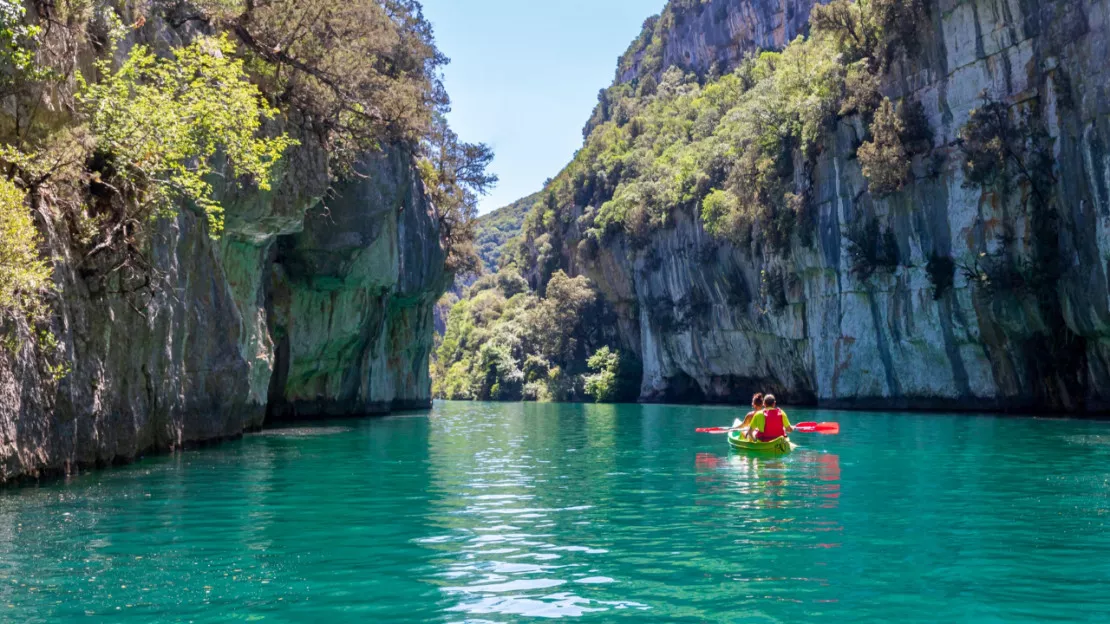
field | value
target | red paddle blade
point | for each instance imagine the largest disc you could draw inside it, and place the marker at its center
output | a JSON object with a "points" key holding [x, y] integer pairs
{"points": [[712, 430], [829, 428]]}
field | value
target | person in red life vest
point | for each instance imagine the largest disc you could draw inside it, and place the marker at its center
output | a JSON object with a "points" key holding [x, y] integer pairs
{"points": [[757, 406], [771, 423]]}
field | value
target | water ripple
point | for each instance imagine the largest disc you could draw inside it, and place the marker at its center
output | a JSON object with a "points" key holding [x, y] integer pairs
{"points": [[505, 513]]}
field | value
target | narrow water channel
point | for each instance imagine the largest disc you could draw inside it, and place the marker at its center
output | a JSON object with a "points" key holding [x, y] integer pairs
{"points": [[504, 513]]}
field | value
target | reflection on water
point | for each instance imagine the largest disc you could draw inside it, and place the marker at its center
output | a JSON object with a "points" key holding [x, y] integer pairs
{"points": [[508, 513], [578, 511], [302, 432], [508, 554], [808, 479]]}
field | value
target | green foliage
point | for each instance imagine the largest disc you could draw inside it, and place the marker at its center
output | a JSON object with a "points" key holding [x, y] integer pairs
{"points": [[627, 62], [1003, 153], [159, 124], [24, 278], [773, 289], [991, 144], [886, 165], [455, 174], [24, 275], [602, 385], [568, 301], [915, 126], [869, 30], [738, 149], [499, 378], [493, 231], [718, 211], [505, 342], [103, 138], [17, 49], [1000, 151], [363, 71], [511, 283]]}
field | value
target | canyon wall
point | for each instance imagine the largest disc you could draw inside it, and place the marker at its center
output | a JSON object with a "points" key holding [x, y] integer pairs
{"points": [[718, 33], [714, 322], [303, 308], [353, 295], [315, 301]]}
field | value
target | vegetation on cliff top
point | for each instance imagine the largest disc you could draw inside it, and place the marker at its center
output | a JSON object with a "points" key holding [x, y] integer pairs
{"points": [[158, 124], [96, 155]]}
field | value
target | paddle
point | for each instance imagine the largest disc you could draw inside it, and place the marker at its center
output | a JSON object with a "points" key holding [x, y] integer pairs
{"points": [[716, 429], [828, 428]]}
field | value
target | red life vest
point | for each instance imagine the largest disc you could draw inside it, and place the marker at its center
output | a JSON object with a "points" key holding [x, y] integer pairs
{"points": [[772, 425]]}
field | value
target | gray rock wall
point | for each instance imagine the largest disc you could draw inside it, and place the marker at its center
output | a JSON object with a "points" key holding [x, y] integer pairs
{"points": [[352, 287], [721, 32], [710, 327], [146, 374], [353, 297]]}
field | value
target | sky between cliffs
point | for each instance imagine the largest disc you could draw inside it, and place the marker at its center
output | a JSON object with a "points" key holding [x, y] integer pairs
{"points": [[524, 76]]}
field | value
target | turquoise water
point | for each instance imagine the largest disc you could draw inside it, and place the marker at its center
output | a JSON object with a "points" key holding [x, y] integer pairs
{"points": [[504, 513]]}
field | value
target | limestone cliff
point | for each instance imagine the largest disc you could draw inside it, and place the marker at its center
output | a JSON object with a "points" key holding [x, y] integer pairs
{"points": [[317, 315], [713, 34], [712, 321], [352, 297], [316, 300]]}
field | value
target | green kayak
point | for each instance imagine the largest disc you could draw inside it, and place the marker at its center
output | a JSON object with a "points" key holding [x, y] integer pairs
{"points": [[778, 446]]}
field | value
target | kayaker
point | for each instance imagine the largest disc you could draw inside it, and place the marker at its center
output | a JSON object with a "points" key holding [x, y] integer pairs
{"points": [[771, 423], [757, 406]]}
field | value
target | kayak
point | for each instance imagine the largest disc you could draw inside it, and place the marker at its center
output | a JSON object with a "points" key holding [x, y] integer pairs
{"points": [[778, 446]]}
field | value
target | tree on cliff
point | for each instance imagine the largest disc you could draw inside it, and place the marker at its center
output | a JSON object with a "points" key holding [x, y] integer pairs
{"points": [[363, 73], [23, 275], [885, 162], [873, 30], [455, 175], [359, 72], [739, 149]]}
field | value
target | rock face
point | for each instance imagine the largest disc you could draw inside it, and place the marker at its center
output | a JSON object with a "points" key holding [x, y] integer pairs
{"points": [[352, 298], [714, 322], [148, 378], [328, 314], [721, 32]]}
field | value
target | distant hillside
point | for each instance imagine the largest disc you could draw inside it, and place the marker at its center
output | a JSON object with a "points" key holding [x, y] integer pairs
{"points": [[499, 227]]}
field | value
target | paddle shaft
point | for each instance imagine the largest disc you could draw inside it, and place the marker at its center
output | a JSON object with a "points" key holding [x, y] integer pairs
{"points": [[805, 427]]}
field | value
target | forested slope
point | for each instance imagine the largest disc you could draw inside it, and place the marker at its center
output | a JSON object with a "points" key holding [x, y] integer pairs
{"points": [[495, 230]]}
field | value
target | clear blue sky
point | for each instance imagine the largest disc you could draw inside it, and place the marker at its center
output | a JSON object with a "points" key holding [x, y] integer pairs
{"points": [[524, 76]]}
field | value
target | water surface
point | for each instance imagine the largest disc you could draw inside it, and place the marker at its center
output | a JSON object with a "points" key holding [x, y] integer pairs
{"points": [[505, 513]]}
